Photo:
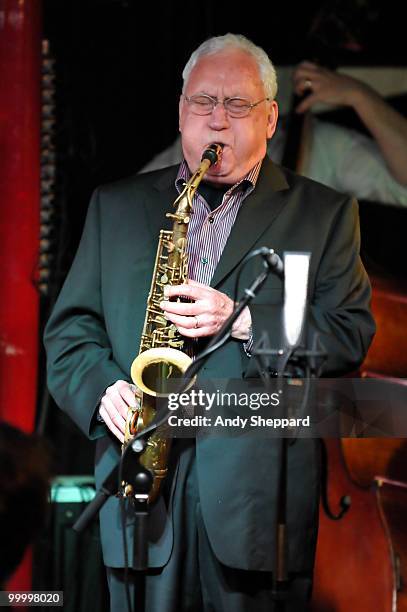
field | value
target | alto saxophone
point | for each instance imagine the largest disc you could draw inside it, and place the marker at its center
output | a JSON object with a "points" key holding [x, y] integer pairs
{"points": [[160, 356]]}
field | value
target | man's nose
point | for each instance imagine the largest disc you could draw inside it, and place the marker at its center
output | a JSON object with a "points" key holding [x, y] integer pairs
{"points": [[219, 119]]}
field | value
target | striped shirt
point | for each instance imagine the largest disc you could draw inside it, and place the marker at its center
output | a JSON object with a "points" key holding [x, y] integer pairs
{"points": [[208, 229]]}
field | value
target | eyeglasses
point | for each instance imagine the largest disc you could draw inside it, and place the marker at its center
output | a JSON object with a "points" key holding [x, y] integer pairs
{"points": [[202, 104]]}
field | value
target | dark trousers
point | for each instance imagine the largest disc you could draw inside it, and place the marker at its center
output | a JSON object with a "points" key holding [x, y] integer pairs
{"points": [[194, 580]]}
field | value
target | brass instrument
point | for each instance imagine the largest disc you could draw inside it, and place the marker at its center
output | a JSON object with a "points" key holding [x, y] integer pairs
{"points": [[160, 356]]}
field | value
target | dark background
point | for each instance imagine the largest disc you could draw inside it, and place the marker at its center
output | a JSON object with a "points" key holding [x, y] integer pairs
{"points": [[118, 67]]}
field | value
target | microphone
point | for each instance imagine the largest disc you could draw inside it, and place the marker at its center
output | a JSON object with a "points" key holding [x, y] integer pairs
{"points": [[294, 272], [273, 261], [296, 275]]}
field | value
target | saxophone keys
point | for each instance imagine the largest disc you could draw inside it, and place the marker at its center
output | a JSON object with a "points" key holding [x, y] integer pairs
{"points": [[160, 319], [179, 218]]}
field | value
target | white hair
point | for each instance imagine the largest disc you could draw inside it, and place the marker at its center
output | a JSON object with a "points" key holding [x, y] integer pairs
{"points": [[236, 41]]}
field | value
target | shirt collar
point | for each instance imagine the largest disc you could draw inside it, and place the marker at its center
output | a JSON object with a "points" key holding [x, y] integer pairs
{"points": [[247, 182]]}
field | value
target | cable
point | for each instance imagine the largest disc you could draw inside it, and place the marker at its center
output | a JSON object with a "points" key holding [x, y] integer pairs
{"points": [[122, 502]]}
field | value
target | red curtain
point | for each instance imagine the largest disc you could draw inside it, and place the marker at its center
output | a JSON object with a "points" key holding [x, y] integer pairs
{"points": [[20, 116]]}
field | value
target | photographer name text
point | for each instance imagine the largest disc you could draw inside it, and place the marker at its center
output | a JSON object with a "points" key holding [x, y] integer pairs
{"points": [[237, 422]]}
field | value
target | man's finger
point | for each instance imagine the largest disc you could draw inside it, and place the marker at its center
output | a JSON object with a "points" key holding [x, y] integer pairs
{"points": [[116, 415], [185, 322], [121, 406], [306, 104], [201, 332], [186, 310], [190, 290], [110, 424], [132, 398]]}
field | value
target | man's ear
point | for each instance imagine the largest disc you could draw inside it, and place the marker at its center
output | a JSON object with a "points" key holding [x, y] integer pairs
{"points": [[272, 119], [180, 111]]}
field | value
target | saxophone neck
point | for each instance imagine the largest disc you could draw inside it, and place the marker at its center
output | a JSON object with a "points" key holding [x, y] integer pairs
{"points": [[197, 177]]}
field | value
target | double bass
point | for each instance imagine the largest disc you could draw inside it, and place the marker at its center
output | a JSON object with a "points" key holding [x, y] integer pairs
{"points": [[361, 560]]}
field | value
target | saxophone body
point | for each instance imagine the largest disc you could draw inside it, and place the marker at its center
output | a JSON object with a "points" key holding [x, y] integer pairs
{"points": [[161, 357]]}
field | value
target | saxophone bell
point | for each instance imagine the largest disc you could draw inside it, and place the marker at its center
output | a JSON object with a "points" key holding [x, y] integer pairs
{"points": [[151, 370]]}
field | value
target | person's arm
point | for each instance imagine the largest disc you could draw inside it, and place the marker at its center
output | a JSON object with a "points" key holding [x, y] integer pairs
{"points": [[387, 126], [80, 364]]}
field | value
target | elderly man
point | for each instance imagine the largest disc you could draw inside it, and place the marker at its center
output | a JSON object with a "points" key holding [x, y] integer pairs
{"points": [[212, 531]]}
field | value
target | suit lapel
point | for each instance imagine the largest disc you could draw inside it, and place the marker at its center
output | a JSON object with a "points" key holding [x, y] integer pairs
{"points": [[255, 216]]}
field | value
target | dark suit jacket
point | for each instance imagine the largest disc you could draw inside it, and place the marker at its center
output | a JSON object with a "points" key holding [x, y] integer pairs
{"points": [[93, 336]]}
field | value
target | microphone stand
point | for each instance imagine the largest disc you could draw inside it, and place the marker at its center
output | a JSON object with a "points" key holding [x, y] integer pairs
{"points": [[312, 357], [296, 269]]}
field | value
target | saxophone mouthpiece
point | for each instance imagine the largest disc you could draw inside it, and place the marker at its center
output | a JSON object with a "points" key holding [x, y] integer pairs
{"points": [[213, 153]]}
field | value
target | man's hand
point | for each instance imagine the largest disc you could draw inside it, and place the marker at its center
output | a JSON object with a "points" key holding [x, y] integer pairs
{"points": [[115, 404], [206, 314], [325, 86], [387, 126]]}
